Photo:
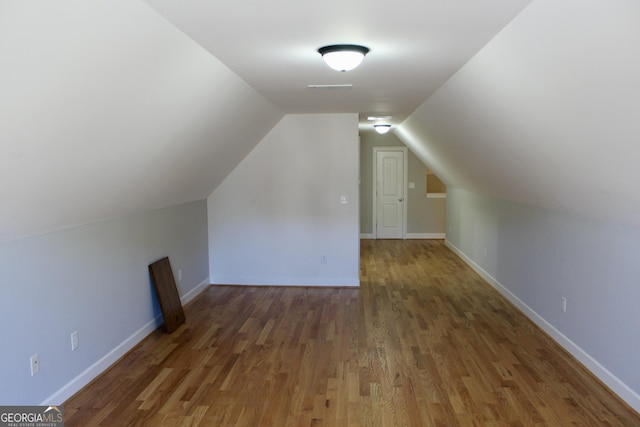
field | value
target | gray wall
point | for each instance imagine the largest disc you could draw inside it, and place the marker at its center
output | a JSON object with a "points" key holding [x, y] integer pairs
{"points": [[94, 279], [424, 216], [537, 256]]}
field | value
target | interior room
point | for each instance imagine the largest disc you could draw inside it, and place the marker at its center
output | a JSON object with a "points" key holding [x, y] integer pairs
{"points": [[505, 131]]}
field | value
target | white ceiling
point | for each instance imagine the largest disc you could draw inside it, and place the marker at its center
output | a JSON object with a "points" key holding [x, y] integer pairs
{"points": [[415, 46]]}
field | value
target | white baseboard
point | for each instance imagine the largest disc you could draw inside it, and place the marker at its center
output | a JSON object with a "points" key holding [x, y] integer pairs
{"points": [[426, 235], [610, 380], [346, 282], [370, 236], [93, 371], [195, 291]]}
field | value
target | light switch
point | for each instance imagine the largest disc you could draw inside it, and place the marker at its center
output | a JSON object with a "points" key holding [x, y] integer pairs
{"points": [[412, 185]]}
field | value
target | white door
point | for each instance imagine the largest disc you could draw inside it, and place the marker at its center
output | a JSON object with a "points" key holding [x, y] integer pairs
{"points": [[390, 195]]}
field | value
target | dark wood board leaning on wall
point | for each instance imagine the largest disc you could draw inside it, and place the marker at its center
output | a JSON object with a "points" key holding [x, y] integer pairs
{"points": [[168, 297]]}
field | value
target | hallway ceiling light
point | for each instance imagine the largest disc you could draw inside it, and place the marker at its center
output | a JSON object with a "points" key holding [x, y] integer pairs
{"points": [[382, 129], [343, 57], [343, 86]]}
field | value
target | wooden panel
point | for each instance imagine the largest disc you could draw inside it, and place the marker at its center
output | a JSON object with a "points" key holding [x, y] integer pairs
{"points": [[165, 285], [390, 216], [390, 178]]}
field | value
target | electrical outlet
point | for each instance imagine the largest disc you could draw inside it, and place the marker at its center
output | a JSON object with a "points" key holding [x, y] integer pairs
{"points": [[35, 364], [323, 259], [74, 340], [564, 305]]}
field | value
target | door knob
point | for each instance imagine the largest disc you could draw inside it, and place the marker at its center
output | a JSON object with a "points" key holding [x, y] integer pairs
{"points": [[400, 199]]}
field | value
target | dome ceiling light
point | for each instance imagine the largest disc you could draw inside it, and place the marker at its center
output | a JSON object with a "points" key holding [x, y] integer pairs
{"points": [[343, 57], [382, 129]]}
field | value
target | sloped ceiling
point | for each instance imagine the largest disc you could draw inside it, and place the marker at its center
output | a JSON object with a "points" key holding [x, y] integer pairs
{"points": [[108, 110], [547, 113], [415, 47]]}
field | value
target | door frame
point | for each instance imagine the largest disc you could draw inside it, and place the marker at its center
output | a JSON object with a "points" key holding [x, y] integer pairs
{"points": [[405, 172]]}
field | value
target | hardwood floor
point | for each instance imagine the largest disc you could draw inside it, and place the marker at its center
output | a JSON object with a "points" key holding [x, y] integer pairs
{"points": [[423, 342]]}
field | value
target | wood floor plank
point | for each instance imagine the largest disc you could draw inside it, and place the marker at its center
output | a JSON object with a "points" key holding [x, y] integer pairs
{"points": [[423, 342]]}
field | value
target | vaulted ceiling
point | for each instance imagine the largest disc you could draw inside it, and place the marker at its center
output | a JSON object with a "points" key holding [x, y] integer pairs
{"points": [[112, 108], [415, 47], [546, 113], [108, 110]]}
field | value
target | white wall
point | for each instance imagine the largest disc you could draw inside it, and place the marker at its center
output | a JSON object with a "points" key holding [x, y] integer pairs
{"points": [[537, 256], [93, 279], [279, 211]]}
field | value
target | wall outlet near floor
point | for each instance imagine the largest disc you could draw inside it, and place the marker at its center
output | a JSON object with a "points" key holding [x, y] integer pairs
{"points": [[35, 364], [74, 340], [564, 305], [323, 259]]}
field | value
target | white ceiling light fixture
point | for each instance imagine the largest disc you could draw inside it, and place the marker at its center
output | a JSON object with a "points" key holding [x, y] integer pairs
{"points": [[343, 57], [382, 129], [343, 86]]}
